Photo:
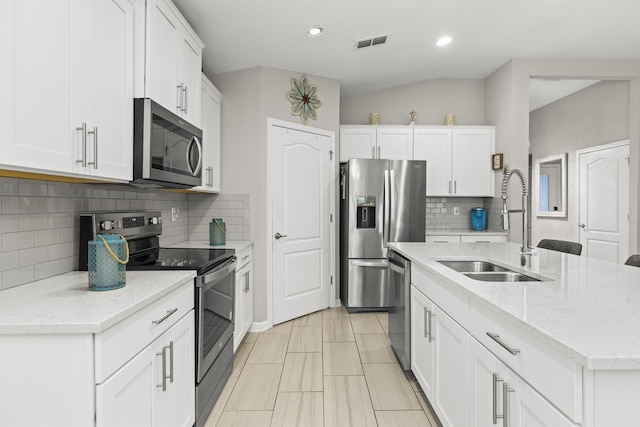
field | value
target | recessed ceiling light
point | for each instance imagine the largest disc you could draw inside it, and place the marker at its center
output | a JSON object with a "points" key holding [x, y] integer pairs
{"points": [[315, 31], [443, 41]]}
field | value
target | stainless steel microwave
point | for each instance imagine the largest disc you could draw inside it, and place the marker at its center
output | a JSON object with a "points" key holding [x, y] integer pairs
{"points": [[167, 150]]}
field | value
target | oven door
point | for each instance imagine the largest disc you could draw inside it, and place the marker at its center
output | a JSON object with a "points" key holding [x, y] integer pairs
{"points": [[215, 294]]}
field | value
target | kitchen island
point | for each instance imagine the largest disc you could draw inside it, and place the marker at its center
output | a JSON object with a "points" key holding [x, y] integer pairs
{"points": [[572, 339]]}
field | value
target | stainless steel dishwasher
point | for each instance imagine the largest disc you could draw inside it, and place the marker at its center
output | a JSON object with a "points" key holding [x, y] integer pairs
{"points": [[400, 308]]}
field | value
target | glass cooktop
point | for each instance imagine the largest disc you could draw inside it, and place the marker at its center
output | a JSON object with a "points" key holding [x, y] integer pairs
{"points": [[202, 260]]}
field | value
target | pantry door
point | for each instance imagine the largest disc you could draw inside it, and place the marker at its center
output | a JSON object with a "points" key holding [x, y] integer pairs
{"points": [[301, 172], [604, 201]]}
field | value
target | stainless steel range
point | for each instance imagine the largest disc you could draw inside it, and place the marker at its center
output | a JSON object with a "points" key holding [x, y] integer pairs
{"points": [[214, 289]]}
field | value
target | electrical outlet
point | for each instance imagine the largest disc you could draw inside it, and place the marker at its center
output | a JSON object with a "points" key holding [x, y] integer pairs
{"points": [[456, 210], [174, 214]]}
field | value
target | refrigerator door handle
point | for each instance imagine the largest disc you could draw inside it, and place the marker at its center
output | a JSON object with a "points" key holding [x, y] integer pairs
{"points": [[387, 209], [377, 263], [343, 182]]}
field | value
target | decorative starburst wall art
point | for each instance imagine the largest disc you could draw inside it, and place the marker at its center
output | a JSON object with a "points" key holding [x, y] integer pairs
{"points": [[304, 99]]}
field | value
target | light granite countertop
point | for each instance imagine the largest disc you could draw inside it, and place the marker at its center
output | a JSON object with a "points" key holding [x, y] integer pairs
{"points": [[64, 304], [237, 245], [588, 309]]}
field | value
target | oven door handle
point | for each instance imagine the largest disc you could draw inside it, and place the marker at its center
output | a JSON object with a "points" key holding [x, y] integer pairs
{"points": [[222, 271]]}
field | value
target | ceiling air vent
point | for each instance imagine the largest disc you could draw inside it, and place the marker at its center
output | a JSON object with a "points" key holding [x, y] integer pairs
{"points": [[373, 41]]}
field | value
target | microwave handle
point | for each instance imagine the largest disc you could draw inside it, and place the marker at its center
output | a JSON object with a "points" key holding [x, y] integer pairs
{"points": [[196, 171]]}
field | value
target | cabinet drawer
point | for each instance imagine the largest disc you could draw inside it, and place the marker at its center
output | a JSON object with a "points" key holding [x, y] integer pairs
{"points": [[451, 301], [121, 342], [443, 239], [245, 256], [483, 239], [553, 374]]}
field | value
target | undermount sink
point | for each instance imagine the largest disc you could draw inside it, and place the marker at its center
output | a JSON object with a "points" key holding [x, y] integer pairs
{"points": [[472, 266], [502, 276], [486, 271]]}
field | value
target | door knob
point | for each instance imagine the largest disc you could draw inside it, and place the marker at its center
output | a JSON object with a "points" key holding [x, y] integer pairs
{"points": [[278, 236], [583, 226]]}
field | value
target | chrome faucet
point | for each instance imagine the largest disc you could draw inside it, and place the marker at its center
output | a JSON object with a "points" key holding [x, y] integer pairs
{"points": [[525, 251]]}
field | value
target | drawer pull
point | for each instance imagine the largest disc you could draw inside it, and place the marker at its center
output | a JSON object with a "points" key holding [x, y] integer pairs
{"points": [[164, 369], [244, 257], [431, 316], [497, 339], [163, 318], [496, 380], [505, 403]]}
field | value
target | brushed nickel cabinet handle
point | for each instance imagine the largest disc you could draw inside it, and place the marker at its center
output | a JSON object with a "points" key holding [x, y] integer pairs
{"points": [[496, 380], [496, 338], [163, 318], [431, 316], [426, 322], [83, 160], [164, 369], [170, 361], [94, 132]]}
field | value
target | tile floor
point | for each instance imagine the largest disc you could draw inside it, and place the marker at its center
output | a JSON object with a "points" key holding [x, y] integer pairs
{"points": [[329, 368]]}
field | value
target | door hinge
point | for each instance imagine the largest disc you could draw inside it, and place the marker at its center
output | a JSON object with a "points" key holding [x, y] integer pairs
{"points": [[332, 280], [330, 154], [330, 217]]}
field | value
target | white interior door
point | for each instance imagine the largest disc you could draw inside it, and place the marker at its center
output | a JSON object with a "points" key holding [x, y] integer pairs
{"points": [[301, 173], [604, 202]]}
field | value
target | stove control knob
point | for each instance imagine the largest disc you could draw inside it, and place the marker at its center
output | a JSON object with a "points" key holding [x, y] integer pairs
{"points": [[106, 225], [154, 220]]}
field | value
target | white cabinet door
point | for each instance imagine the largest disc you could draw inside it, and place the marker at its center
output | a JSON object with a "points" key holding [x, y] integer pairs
{"points": [[472, 172], [190, 74], [175, 406], [38, 95], [439, 359], [452, 369], [434, 146], [247, 299], [490, 378], [156, 387], [126, 398], [422, 348], [108, 88], [211, 108], [394, 143], [162, 41], [173, 61], [55, 120], [243, 303], [357, 143]]}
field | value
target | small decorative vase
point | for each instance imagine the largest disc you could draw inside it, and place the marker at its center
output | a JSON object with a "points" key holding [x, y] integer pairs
{"points": [[449, 119], [217, 232], [374, 118]]}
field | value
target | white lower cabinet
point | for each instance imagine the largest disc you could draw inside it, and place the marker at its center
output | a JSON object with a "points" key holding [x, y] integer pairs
{"points": [[439, 355], [244, 296], [156, 387], [498, 396]]}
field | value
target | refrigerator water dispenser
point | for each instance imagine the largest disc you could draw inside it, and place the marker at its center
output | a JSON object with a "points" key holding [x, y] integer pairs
{"points": [[366, 211]]}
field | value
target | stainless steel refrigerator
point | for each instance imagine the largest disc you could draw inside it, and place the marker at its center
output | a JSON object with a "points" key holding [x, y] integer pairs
{"points": [[381, 201]]}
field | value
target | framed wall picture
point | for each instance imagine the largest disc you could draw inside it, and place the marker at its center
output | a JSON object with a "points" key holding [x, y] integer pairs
{"points": [[496, 161]]}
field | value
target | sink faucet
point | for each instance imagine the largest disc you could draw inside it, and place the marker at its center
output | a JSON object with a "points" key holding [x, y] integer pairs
{"points": [[525, 251]]}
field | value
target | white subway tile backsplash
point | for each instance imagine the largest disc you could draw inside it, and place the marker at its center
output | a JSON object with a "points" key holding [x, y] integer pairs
{"points": [[33, 256], [47, 269], [9, 260], [39, 221], [17, 276], [19, 240], [18, 205]]}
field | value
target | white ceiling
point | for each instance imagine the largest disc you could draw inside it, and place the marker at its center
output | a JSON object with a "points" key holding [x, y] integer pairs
{"points": [[241, 34]]}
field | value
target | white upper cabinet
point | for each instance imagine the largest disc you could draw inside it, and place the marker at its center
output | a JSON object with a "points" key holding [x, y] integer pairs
{"points": [[394, 143], [67, 95], [211, 109], [376, 142], [173, 61], [434, 145], [458, 159], [357, 142]]}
